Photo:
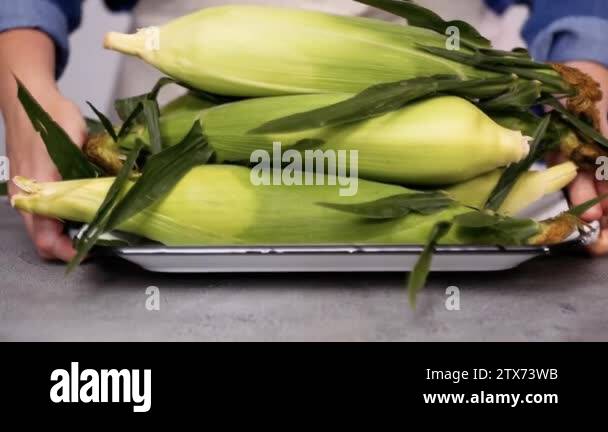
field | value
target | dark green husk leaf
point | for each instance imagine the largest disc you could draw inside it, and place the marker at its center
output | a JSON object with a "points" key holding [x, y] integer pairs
{"points": [[106, 123], [482, 89], [152, 115], [490, 57], [307, 144], [144, 109], [125, 107], [372, 102], [553, 84], [130, 121], [99, 224], [398, 206], [505, 65], [522, 95], [506, 230], [419, 16], [215, 99], [211, 97], [511, 61], [511, 231], [67, 157], [112, 243], [517, 52], [383, 98], [94, 126], [513, 172], [420, 273], [113, 239], [161, 173], [580, 210], [585, 129], [477, 219], [527, 122]]}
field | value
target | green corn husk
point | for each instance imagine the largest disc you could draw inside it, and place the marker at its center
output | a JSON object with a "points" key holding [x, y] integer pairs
{"points": [[438, 141], [176, 120], [580, 151], [267, 51], [219, 205], [178, 116], [531, 187], [187, 103]]}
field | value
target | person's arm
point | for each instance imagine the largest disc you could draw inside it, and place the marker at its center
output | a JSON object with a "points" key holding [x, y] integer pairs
{"points": [[33, 47], [574, 33], [587, 187], [30, 55]]}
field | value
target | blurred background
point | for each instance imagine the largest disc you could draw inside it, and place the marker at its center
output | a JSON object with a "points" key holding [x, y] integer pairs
{"points": [[92, 71]]}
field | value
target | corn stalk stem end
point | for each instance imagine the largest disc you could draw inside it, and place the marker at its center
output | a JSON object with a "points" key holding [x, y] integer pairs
{"points": [[589, 93], [102, 151]]}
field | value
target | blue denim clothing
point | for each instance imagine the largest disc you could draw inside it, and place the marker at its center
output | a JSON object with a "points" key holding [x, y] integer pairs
{"points": [[558, 30], [57, 18], [564, 30]]}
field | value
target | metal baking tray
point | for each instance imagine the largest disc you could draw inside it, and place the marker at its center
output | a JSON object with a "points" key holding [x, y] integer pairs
{"points": [[347, 258], [322, 259]]}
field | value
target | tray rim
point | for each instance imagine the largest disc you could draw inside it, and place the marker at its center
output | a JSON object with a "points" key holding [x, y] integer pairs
{"points": [[328, 249], [586, 237]]}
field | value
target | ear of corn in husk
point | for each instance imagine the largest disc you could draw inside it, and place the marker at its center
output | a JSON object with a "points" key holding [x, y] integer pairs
{"points": [[177, 118], [442, 140], [531, 187], [218, 204], [268, 51], [438, 141]]}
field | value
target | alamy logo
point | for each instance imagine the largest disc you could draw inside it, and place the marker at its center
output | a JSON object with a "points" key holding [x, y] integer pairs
{"points": [[602, 172], [308, 168], [4, 169], [91, 386], [151, 38], [452, 43]]}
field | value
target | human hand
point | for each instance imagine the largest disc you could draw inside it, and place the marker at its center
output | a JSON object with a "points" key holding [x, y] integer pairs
{"points": [[587, 186], [26, 152]]}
